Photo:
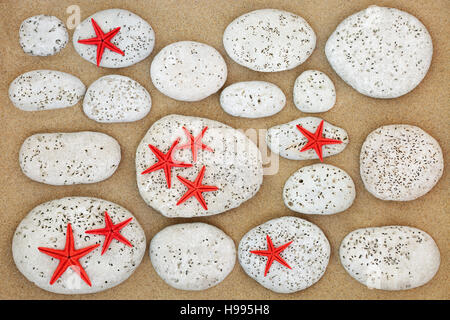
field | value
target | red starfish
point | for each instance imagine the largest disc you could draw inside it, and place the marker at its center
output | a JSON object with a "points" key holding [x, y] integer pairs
{"points": [[69, 257], [195, 143], [102, 41], [111, 231], [195, 189], [316, 140], [165, 162], [273, 254]]}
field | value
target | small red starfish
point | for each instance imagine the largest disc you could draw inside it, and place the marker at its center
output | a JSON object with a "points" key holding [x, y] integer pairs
{"points": [[166, 162], [195, 189], [111, 231], [69, 257], [102, 41], [273, 254], [195, 143], [316, 140]]}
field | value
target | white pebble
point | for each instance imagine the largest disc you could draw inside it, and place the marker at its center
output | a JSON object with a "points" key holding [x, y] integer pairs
{"points": [[192, 256], [43, 35], [269, 40], [381, 52], [252, 99], [188, 71], [69, 158], [307, 255], [314, 92], [46, 226], [391, 257], [400, 162], [45, 90], [116, 98], [319, 189]]}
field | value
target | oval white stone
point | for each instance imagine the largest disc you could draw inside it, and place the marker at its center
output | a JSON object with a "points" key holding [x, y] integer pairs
{"points": [[116, 98], [319, 189], [269, 40], [287, 141], [136, 38], [188, 71], [192, 256], [381, 52], [252, 99], [235, 167], [45, 89], [69, 158], [400, 162], [46, 226], [42, 35], [307, 255], [314, 92], [391, 257]]}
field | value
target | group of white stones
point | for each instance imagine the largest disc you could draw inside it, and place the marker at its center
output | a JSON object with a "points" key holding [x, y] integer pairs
{"points": [[381, 52]]}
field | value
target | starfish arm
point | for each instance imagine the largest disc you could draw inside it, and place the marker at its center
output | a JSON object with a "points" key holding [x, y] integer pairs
{"points": [[77, 268], [306, 133], [168, 174], [183, 146], [284, 246], [92, 41], [181, 164], [54, 253], [100, 50], [158, 153], [203, 131], [186, 196], [109, 35], [200, 199], [60, 269], [186, 182], [122, 239], [155, 167], [282, 261], [270, 246], [329, 141], [174, 144], [113, 48], [268, 265], [308, 145], [200, 176], [205, 147], [108, 221], [106, 242], [121, 225], [69, 240], [205, 188], [101, 231], [319, 151], [261, 252], [97, 29], [77, 254]]}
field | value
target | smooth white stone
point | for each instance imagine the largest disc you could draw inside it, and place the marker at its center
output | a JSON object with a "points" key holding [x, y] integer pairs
{"points": [[314, 92]]}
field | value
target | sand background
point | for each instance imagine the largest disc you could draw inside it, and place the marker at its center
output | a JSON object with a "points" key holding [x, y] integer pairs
{"points": [[205, 20]]}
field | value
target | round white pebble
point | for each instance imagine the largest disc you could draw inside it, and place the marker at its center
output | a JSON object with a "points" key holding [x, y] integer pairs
{"points": [[192, 256], [314, 92], [43, 35], [233, 164], [400, 162], [46, 226], [135, 38], [116, 98], [69, 158], [45, 90], [188, 71], [381, 52], [269, 40], [319, 189], [287, 141], [252, 99], [391, 257], [307, 255]]}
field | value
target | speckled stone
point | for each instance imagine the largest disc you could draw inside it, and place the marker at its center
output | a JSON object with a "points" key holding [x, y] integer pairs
{"points": [[269, 40], [43, 35], [188, 71], [45, 89], [69, 158], [319, 189], [235, 167], [381, 52], [307, 255], [252, 99], [192, 256], [136, 38], [314, 92], [46, 226], [287, 141], [400, 162], [391, 257], [116, 98]]}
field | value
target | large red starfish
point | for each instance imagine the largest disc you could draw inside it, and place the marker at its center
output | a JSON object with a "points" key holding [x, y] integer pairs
{"points": [[273, 254], [195, 143], [316, 140], [111, 231], [195, 189], [165, 162], [69, 257], [102, 41]]}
